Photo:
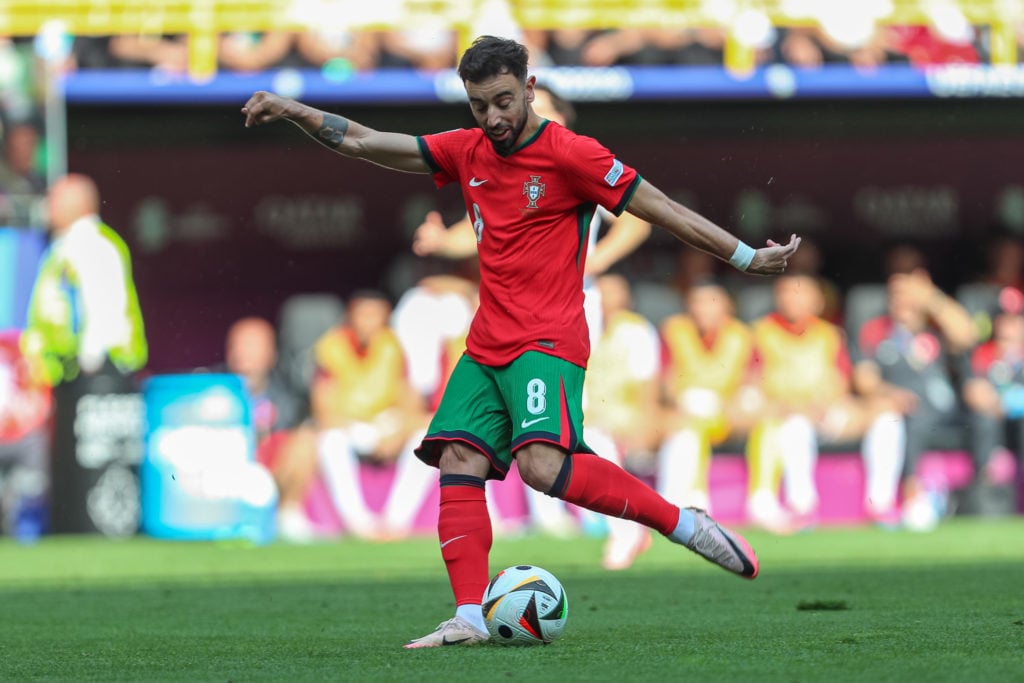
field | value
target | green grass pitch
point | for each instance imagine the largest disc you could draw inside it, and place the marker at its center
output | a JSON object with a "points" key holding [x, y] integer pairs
{"points": [[833, 605]]}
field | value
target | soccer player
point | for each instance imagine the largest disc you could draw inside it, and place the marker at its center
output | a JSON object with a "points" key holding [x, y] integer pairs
{"points": [[625, 233], [530, 186]]}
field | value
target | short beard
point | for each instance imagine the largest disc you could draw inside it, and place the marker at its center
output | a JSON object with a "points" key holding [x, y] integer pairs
{"points": [[504, 148]]}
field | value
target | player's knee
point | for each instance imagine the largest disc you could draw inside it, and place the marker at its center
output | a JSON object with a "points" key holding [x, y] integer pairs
{"points": [[539, 465], [457, 458]]}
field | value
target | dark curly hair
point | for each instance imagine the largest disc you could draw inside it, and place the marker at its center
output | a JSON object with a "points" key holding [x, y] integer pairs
{"points": [[490, 56]]}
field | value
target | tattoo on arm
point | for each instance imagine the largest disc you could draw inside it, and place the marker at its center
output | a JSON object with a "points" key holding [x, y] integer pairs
{"points": [[332, 131]]}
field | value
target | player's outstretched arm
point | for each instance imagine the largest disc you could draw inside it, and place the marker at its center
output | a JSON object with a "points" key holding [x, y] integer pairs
{"points": [[337, 133], [651, 204]]}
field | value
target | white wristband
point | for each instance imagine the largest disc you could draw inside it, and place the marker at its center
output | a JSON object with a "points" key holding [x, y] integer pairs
{"points": [[742, 257]]}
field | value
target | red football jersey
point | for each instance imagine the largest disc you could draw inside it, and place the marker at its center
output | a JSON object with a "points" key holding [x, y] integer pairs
{"points": [[531, 211]]}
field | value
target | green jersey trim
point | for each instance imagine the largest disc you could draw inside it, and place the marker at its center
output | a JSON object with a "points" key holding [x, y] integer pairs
{"points": [[627, 196], [427, 156], [533, 138], [584, 216]]}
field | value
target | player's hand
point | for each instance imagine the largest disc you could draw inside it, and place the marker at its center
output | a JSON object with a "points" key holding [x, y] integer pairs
{"points": [[774, 258], [265, 107], [429, 237]]}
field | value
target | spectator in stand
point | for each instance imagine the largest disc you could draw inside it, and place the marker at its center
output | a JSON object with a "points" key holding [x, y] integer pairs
{"points": [[608, 48], [284, 443], [19, 173], [620, 403], [92, 52], [251, 352], [562, 47], [925, 46], [363, 407], [1005, 263], [360, 49], [25, 406], [426, 48], [21, 185], [811, 47], [707, 358], [811, 261], [162, 52], [802, 370], [904, 360], [1004, 270], [694, 267], [252, 52], [994, 395], [21, 82], [654, 46]]}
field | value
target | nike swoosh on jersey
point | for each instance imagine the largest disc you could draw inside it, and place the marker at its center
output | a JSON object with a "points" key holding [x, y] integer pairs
{"points": [[527, 423], [473, 182]]}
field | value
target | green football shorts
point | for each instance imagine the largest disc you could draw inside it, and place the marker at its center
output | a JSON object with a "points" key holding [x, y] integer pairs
{"points": [[497, 410]]}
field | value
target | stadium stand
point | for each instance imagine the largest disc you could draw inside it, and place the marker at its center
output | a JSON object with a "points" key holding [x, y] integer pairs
{"points": [[740, 35]]}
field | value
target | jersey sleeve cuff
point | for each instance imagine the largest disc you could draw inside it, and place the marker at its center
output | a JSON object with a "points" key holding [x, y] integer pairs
{"points": [[427, 156], [627, 196]]}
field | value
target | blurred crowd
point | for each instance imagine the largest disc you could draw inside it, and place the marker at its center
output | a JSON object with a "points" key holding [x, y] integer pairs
{"points": [[711, 361], [339, 53], [777, 371], [436, 48]]}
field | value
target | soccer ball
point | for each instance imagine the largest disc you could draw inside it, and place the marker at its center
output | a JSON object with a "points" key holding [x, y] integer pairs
{"points": [[525, 605]]}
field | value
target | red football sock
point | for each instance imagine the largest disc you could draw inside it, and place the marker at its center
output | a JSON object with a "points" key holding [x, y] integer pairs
{"points": [[464, 530], [602, 486]]}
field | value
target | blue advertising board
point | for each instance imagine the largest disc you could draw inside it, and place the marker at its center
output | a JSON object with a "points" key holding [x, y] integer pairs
{"points": [[198, 475], [20, 251], [597, 84]]}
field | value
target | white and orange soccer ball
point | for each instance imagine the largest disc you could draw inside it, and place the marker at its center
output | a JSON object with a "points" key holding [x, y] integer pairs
{"points": [[525, 605]]}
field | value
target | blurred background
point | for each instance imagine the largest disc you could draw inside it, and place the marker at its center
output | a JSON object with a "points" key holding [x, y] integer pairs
{"points": [[867, 128]]}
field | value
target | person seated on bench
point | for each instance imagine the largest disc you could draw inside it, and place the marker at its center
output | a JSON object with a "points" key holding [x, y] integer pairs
{"points": [[363, 407], [283, 439], [904, 360], [802, 370], [707, 359], [994, 395]]}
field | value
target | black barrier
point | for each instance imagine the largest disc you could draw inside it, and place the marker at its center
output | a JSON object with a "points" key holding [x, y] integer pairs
{"points": [[97, 448]]}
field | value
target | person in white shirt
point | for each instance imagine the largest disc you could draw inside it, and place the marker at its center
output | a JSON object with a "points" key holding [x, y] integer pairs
{"points": [[84, 309]]}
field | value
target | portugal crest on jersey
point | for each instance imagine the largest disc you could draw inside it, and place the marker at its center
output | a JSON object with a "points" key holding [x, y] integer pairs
{"points": [[534, 190]]}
